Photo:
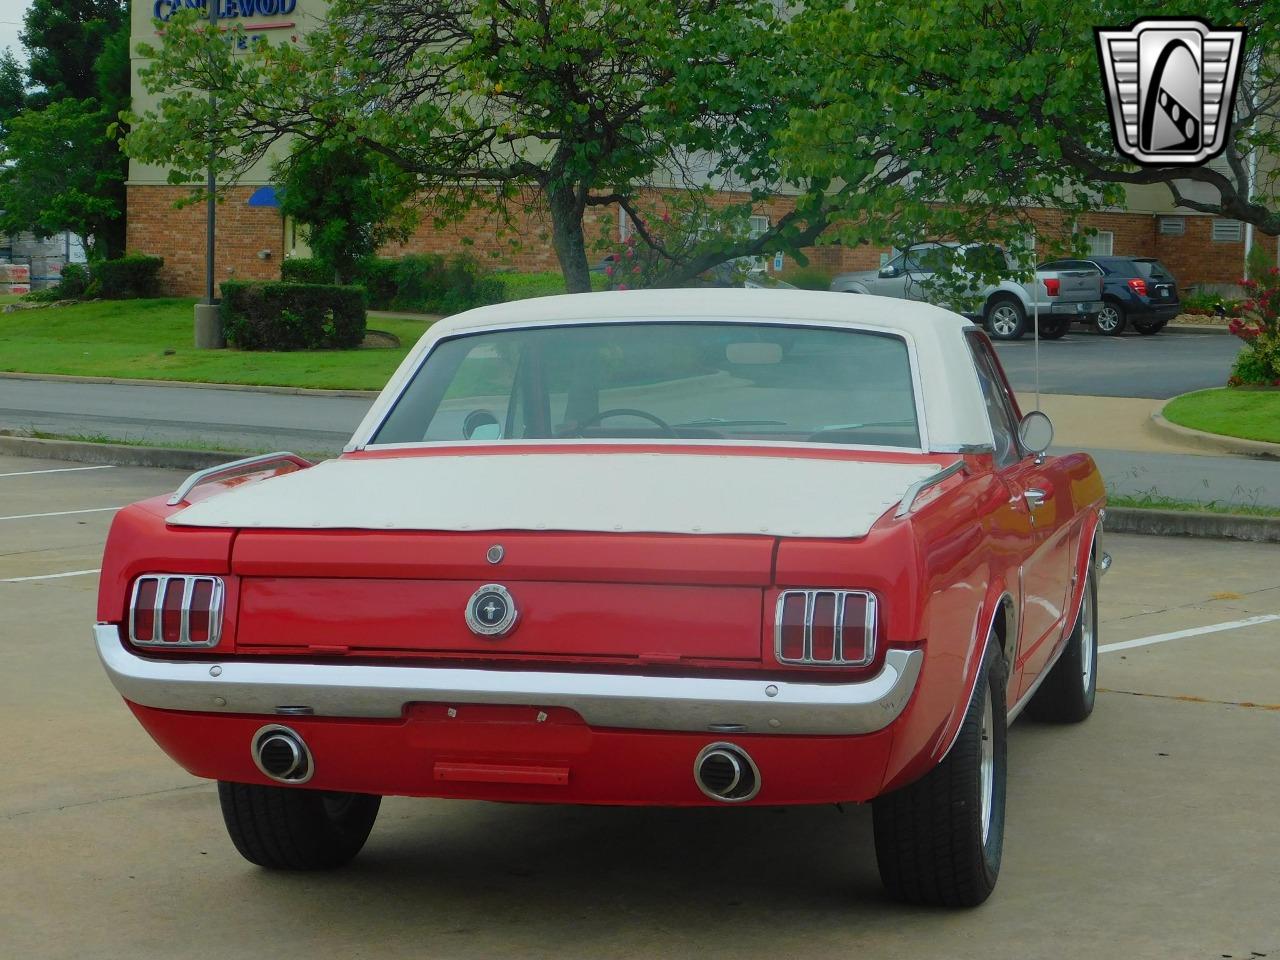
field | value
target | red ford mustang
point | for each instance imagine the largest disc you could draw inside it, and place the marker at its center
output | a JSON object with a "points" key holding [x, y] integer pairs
{"points": [[670, 548]]}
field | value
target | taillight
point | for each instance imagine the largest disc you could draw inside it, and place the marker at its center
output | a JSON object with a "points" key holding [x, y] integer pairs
{"points": [[1138, 286], [1052, 285], [826, 627], [176, 611]]}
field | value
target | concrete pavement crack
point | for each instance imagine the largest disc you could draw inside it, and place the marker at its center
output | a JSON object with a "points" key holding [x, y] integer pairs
{"points": [[90, 803], [1189, 698]]}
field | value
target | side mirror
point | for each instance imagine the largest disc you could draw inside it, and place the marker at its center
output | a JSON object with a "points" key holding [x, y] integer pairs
{"points": [[890, 271], [481, 425], [1036, 432]]}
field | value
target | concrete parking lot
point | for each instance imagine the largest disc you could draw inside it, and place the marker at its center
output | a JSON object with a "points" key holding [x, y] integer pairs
{"points": [[1147, 832]]}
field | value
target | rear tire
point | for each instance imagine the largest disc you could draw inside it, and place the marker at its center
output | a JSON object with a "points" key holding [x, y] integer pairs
{"points": [[286, 828], [1006, 319], [1111, 319], [1054, 328], [1149, 327], [1068, 692], [939, 840]]}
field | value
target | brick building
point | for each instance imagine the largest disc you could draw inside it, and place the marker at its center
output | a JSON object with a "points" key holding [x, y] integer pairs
{"points": [[252, 237]]}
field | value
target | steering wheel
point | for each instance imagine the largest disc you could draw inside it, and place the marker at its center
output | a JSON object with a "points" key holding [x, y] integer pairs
{"points": [[629, 412]]}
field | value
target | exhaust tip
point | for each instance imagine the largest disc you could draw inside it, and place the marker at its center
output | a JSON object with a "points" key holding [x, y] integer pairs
{"points": [[281, 754], [726, 772]]}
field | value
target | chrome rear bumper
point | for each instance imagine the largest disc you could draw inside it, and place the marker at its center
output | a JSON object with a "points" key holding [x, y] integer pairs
{"points": [[602, 700]]}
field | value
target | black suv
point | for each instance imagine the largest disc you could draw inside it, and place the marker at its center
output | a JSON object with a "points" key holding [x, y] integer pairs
{"points": [[1137, 290]]}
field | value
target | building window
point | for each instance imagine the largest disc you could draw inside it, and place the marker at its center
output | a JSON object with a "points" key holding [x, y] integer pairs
{"points": [[1173, 226], [1101, 243], [1228, 231], [759, 226]]}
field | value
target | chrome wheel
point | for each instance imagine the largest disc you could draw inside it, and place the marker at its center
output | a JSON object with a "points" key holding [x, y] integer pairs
{"points": [[987, 767], [1108, 319], [1005, 320], [1087, 639]]}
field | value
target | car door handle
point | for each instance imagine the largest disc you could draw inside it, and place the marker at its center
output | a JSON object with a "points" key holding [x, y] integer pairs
{"points": [[1035, 497]]}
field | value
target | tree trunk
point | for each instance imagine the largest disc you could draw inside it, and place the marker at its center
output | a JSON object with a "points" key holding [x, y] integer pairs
{"points": [[568, 239]]}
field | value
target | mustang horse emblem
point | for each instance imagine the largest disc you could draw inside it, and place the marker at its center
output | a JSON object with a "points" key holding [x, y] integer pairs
{"points": [[491, 611]]}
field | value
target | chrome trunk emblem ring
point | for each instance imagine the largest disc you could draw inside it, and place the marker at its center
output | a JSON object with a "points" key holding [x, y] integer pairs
{"points": [[491, 611]]}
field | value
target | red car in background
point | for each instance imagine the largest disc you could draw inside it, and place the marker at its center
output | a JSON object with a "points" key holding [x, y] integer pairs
{"points": [[712, 547]]}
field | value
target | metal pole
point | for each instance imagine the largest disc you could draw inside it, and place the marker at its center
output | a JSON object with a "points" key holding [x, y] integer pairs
{"points": [[211, 184]]}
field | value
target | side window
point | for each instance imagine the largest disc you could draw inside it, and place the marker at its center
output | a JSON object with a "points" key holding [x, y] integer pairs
{"points": [[1004, 423]]}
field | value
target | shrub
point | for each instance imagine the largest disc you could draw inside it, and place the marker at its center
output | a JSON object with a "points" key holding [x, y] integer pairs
{"points": [[420, 281], [292, 316], [378, 277], [75, 280], [305, 270], [1259, 327], [128, 277], [809, 278]]}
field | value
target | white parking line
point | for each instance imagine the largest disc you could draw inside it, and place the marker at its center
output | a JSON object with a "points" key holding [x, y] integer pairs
{"points": [[1193, 632], [28, 473], [52, 576], [61, 513]]}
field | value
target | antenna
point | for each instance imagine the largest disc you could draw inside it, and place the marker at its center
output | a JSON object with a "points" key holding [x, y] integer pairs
{"points": [[1035, 313]]}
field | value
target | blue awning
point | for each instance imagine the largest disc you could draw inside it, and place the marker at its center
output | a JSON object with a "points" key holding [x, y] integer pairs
{"points": [[264, 197]]}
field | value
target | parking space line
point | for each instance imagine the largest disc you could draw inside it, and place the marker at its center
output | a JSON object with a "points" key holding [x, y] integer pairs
{"points": [[29, 473], [52, 576], [1193, 632], [60, 513]]}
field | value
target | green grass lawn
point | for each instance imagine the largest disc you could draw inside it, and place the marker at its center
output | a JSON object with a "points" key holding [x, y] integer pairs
{"points": [[9, 298], [1233, 412], [131, 338]]}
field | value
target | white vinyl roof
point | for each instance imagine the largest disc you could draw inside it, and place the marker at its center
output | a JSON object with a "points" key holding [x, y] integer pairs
{"points": [[954, 413]]}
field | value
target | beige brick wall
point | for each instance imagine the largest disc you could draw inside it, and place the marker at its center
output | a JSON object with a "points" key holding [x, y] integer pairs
{"points": [[178, 234]]}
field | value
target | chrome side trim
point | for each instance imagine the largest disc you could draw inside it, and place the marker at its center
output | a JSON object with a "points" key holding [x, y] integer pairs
{"points": [[920, 486], [692, 704], [235, 466], [869, 626]]}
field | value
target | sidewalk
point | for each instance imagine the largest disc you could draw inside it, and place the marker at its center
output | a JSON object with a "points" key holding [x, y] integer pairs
{"points": [[1136, 459]]}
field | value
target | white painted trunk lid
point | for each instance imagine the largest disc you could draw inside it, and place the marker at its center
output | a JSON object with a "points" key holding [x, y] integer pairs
{"points": [[601, 492]]}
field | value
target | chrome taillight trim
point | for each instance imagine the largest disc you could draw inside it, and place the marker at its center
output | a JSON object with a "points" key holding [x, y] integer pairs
{"points": [[189, 582], [870, 624]]}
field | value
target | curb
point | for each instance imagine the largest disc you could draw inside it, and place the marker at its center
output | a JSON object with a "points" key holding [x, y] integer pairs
{"points": [[114, 454], [1197, 328], [1177, 523], [195, 385], [1216, 442]]}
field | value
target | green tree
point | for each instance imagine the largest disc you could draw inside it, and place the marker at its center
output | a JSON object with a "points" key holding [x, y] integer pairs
{"points": [[485, 101], [58, 171], [61, 167], [1000, 103], [64, 39], [351, 200], [13, 89]]}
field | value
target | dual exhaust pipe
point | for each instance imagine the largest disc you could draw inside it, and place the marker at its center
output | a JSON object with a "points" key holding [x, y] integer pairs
{"points": [[281, 754], [722, 771]]}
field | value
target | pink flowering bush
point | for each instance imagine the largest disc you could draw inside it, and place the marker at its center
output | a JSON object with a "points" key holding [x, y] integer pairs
{"points": [[1259, 327]]}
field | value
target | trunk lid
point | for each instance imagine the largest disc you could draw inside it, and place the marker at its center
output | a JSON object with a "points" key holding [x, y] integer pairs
{"points": [[637, 598]]}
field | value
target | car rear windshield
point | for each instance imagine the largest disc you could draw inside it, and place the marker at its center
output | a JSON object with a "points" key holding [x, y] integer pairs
{"points": [[1152, 270], [685, 381]]}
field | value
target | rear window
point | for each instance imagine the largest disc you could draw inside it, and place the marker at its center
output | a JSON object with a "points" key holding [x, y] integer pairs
{"points": [[1152, 269], [662, 381]]}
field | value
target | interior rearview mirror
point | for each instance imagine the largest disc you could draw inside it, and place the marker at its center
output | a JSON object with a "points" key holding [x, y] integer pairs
{"points": [[1036, 432]]}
